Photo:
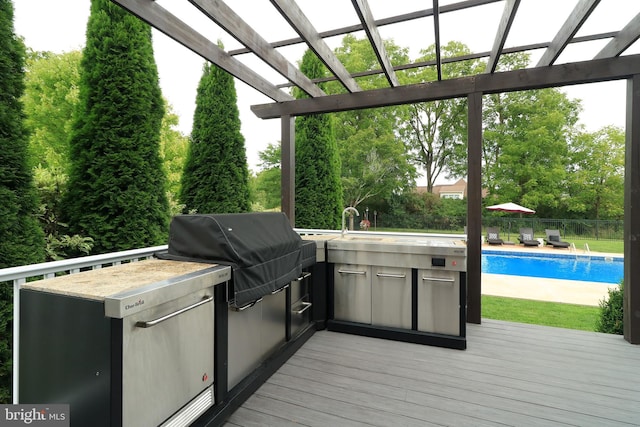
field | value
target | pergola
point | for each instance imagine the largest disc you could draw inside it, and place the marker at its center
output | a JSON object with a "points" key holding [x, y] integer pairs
{"points": [[613, 61]]}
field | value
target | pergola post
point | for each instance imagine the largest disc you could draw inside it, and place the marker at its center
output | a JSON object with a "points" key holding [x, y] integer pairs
{"points": [[632, 213], [288, 168], [474, 207]]}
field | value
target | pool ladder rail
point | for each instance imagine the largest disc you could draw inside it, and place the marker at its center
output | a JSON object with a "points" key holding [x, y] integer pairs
{"points": [[587, 251]]}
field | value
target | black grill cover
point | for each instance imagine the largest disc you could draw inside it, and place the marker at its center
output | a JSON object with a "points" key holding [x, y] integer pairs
{"points": [[262, 249]]}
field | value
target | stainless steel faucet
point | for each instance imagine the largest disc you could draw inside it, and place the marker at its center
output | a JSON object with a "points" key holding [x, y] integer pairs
{"points": [[348, 208]]}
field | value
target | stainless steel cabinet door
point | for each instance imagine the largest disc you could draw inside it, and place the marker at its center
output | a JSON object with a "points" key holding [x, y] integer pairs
{"points": [[391, 297], [245, 345], [439, 301], [352, 293]]}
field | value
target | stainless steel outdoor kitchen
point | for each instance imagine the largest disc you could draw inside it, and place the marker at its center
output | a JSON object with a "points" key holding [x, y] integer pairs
{"points": [[185, 338]]}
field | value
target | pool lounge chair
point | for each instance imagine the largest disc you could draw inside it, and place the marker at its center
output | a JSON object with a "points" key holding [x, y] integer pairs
{"points": [[526, 237], [553, 239], [493, 236]]}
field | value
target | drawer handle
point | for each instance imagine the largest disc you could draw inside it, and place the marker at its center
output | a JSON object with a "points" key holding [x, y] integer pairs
{"points": [[151, 323], [439, 279], [395, 276], [277, 291], [304, 276], [361, 273], [305, 307], [244, 307]]}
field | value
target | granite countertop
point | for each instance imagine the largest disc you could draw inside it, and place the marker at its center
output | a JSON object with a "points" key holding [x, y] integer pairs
{"points": [[107, 281]]}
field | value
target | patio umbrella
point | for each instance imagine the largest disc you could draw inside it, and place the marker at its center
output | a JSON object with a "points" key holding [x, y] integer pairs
{"points": [[513, 208]]}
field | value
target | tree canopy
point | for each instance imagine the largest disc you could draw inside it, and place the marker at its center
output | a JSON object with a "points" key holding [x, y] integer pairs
{"points": [[375, 160], [51, 99]]}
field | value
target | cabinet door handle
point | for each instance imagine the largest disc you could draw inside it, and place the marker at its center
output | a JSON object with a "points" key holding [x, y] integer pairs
{"points": [[305, 306], [277, 291], [439, 279], [244, 307], [154, 322], [304, 276], [361, 273], [395, 276]]}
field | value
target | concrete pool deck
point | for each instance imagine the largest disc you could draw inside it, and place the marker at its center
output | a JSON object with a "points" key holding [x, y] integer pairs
{"points": [[535, 288]]}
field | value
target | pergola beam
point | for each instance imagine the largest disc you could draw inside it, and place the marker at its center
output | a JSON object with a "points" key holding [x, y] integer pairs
{"points": [[508, 15], [627, 36], [162, 20], [509, 81], [370, 28], [301, 24], [570, 27], [231, 22], [379, 23]]}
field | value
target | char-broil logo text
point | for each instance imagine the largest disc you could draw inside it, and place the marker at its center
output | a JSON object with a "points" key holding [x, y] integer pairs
{"points": [[37, 415], [134, 305]]}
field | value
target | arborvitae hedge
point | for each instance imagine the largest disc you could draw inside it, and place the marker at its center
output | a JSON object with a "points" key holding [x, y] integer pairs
{"points": [[216, 176], [319, 197], [21, 239], [117, 187]]}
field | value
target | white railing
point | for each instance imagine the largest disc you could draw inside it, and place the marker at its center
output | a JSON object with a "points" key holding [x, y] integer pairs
{"points": [[45, 270]]}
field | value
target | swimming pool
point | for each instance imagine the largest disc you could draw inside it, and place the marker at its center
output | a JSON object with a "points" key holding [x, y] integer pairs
{"points": [[565, 267]]}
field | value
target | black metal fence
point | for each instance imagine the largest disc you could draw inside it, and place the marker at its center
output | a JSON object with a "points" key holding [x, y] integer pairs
{"points": [[569, 228]]}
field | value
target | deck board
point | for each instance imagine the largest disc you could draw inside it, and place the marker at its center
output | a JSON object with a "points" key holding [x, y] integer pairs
{"points": [[511, 374]]}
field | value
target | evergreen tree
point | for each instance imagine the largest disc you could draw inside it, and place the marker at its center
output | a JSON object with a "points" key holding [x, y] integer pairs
{"points": [[216, 176], [21, 239], [117, 187], [318, 187]]}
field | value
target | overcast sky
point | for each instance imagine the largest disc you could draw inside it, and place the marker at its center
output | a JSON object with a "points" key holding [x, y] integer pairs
{"points": [[59, 26]]}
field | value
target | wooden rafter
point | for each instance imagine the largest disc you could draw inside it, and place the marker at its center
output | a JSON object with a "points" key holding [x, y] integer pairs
{"points": [[298, 21], [628, 35], [169, 24], [379, 23], [225, 17], [436, 30], [370, 28], [570, 27], [508, 15]]}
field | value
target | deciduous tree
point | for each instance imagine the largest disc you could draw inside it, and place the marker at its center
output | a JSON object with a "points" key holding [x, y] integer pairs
{"points": [[596, 174], [50, 100]]}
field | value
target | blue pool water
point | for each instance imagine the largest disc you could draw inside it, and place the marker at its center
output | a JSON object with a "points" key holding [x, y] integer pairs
{"points": [[566, 267]]}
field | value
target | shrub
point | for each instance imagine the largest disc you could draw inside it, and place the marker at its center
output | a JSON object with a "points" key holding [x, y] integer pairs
{"points": [[611, 312]]}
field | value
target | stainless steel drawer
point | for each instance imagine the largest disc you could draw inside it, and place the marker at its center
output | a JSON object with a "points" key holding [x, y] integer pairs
{"points": [[300, 315], [300, 287]]}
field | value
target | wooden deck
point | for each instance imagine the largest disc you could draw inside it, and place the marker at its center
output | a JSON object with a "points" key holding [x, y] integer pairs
{"points": [[511, 374]]}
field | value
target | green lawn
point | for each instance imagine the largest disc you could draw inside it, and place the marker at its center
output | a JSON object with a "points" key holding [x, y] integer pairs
{"points": [[570, 316]]}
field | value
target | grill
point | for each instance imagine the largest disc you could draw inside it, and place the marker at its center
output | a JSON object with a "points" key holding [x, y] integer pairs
{"points": [[262, 249]]}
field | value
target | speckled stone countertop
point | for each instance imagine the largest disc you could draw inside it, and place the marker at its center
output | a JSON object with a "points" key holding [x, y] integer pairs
{"points": [[107, 281]]}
